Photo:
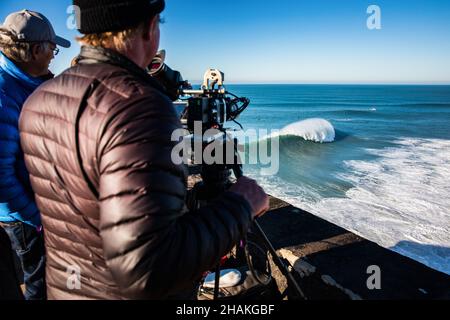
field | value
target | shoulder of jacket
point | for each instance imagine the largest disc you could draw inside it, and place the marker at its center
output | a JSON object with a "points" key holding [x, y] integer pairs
{"points": [[5, 83], [2, 79], [121, 85], [6, 100], [124, 88]]}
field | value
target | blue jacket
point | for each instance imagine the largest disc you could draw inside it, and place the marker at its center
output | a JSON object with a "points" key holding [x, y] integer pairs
{"points": [[16, 196]]}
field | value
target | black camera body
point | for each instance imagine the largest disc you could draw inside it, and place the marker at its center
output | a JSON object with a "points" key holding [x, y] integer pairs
{"points": [[211, 105], [210, 111]]}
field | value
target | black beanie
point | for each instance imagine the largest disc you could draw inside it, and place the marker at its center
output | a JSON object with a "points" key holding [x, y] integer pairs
{"points": [[97, 16]]}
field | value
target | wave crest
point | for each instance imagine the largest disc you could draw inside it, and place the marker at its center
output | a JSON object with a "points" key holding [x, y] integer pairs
{"points": [[317, 130]]}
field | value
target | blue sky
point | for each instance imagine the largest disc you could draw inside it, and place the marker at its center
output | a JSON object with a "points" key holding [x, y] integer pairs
{"points": [[292, 41]]}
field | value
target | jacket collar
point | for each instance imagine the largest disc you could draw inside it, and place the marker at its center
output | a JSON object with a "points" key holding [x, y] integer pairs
{"points": [[93, 55], [22, 77]]}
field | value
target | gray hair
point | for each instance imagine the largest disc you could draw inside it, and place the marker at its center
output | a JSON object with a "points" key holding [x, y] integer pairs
{"points": [[14, 49]]}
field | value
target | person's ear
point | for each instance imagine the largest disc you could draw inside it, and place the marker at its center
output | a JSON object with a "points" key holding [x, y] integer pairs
{"points": [[35, 51], [150, 30]]}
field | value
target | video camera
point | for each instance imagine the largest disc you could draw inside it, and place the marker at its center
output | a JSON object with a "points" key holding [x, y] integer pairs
{"points": [[211, 105]]}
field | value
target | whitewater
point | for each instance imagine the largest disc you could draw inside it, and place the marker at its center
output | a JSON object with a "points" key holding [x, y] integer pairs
{"points": [[373, 159], [397, 200]]}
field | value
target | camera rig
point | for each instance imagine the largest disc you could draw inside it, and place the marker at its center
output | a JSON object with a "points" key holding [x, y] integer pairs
{"points": [[209, 108], [213, 106]]}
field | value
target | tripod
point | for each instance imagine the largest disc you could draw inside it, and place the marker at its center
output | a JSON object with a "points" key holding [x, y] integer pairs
{"points": [[216, 179]]}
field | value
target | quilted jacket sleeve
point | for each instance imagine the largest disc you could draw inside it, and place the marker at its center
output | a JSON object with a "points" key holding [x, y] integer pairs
{"points": [[16, 197], [152, 246]]}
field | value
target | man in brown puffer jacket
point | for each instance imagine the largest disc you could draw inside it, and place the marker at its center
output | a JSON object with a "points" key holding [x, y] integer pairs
{"points": [[97, 143]]}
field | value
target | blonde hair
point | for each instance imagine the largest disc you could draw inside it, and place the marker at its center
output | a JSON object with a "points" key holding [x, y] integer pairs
{"points": [[118, 40], [13, 48]]}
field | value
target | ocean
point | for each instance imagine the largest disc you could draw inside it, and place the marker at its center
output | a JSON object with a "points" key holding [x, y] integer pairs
{"points": [[384, 173]]}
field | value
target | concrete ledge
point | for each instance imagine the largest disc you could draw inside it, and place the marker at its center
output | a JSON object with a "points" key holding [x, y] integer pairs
{"points": [[331, 262]]}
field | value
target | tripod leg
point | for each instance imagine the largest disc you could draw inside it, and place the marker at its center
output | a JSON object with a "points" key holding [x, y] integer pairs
{"points": [[237, 166], [217, 283], [280, 264]]}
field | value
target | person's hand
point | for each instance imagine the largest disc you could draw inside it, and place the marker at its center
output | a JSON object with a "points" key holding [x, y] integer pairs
{"points": [[254, 194]]}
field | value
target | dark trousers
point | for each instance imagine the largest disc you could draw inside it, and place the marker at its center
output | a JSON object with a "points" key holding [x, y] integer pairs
{"points": [[29, 246], [9, 282]]}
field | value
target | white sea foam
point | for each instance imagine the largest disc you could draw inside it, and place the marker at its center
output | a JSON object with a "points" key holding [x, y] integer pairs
{"points": [[401, 200], [317, 130], [345, 120]]}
